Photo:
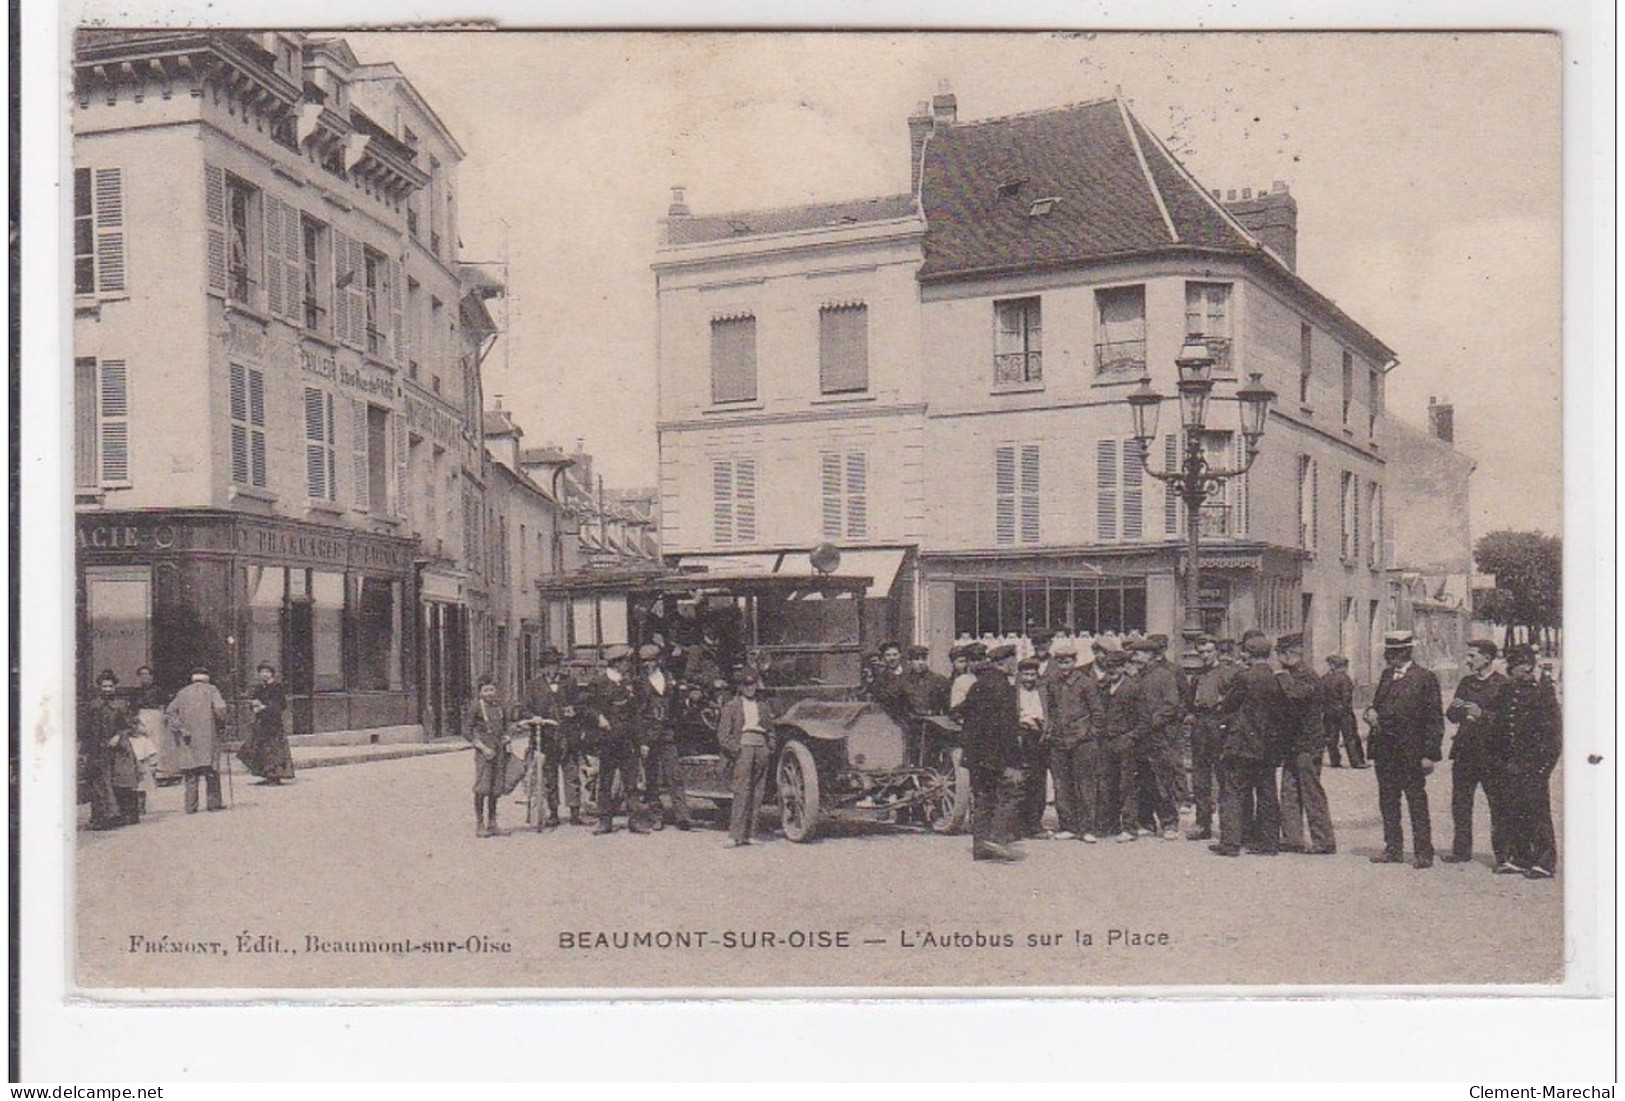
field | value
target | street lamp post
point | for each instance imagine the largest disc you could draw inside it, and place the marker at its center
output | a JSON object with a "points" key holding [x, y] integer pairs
{"points": [[1196, 479]]}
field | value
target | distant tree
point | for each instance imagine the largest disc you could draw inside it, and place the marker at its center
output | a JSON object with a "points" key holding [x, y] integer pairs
{"points": [[1528, 569]]}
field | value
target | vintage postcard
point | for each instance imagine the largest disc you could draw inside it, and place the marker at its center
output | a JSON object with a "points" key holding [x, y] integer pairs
{"points": [[579, 512]]}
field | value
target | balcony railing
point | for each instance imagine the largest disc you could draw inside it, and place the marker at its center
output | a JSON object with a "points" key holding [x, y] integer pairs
{"points": [[1018, 367], [1219, 348], [1121, 357]]}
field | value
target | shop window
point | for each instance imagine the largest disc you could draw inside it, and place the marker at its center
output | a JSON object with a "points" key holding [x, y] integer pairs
{"points": [[98, 231], [118, 610], [1076, 606], [327, 630], [733, 359], [378, 630], [267, 590], [843, 348]]}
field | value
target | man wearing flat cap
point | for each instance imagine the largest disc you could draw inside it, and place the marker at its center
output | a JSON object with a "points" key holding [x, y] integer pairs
{"points": [[1076, 718], [1528, 728], [991, 739], [1337, 702], [655, 691], [1474, 760], [745, 733], [549, 709], [919, 690], [1303, 797], [613, 732], [1159, 757], [1406, 717], [1253, 743]]}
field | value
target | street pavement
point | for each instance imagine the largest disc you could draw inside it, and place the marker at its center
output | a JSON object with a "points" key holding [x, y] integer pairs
{"points": [[323, 882]]}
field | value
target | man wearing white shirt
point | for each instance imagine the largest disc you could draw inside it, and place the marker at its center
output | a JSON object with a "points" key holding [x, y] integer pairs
{"points": [[744, 731]]}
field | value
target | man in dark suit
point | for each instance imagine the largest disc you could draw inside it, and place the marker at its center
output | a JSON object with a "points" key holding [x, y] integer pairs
{"points": [[1529, 734], [1406, 717], [991, 739], [1474, 761], [1337, 703], [1253, 743], [614, 731], [549, 709], [1156, 736], [1303, 798]]}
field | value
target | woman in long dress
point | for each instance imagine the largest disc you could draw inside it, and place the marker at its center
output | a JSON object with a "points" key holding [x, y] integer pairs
{"points": [[488, 732], [266, 753]]}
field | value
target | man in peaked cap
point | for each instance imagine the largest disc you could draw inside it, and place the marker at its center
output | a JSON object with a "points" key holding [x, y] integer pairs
{"points": [[1529, 730], [1337, 700], [920, 690], [1159, 753], [991, 739], [1406, 717], [612, 731], [1303, 798], [550, 709], [1474, 760], [655, 691]]}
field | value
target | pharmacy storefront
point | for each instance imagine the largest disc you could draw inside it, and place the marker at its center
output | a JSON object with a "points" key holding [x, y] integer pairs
{"points": [[330, 608]]}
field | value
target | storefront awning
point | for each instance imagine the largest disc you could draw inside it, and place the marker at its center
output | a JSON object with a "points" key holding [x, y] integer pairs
{"points": [[880, 564]]}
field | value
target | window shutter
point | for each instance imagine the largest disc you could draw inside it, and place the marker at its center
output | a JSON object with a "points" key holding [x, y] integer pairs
{"points": [[358, 451], [293, 270], [745, 500], [114, 422], [1106, 489], [1133, 493], [397, 317], [843, 348], [831, 474], [857, 495], [275, 285], [1314, 505], [1004, 491], [239, 424], [315, 448], [1170, 497], [341, 297], [1354, 541], [1243, 489], [256, 433], [214, 209], [733, 359], [85, 436], [403, 473], [109, 230], [1029, 493], [722, 499]]}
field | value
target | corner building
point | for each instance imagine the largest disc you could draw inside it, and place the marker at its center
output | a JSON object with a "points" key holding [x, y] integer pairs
{"points": [[276, 415], [981, 334]]}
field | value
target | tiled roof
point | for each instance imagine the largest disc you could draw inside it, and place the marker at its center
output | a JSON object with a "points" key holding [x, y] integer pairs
{"points": [[980, 182], [750, 223]]}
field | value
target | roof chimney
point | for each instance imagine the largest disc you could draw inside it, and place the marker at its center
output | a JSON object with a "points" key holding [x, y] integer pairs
{"points": [[945, 108], [1271, 216], [679, 203], [1442, 420], [920, 125]]}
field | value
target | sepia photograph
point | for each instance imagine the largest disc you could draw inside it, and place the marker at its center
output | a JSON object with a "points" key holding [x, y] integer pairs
{"points": [[590, 512], [830, 544]]}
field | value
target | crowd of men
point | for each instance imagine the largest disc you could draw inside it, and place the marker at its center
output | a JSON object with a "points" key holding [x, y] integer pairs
{"points": [[1127, 738], [1237, 730]]}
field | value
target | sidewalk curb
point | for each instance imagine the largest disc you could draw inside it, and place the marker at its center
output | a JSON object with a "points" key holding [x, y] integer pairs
{"points": [[318, 759]]}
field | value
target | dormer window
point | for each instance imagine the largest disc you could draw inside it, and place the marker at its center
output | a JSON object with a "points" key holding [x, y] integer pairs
{"points": [[1010, 188], [1043, 206]]}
